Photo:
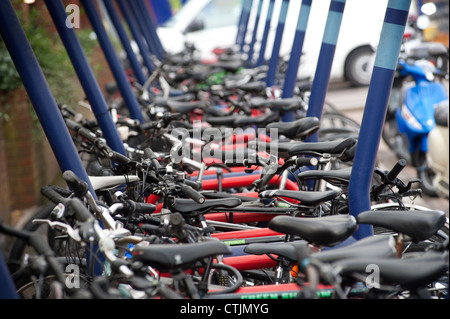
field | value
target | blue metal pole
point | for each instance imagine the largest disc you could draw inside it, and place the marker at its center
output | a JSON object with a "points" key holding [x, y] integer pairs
{"points": [[134, 29], [156, 11], [85, 75], [323, 70], [296, 53], [140, 22], [254, 35], [162, 10], [39, 93], [273, 62], [148, 24], [7, 288], [134, 63], [262, 50], [243, 24], [113, 61], [240, 23], [375, 109], [419, 6]]}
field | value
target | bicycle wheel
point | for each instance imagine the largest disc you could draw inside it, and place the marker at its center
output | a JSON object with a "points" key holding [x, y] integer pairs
{"points": [[335, 125], [18, 250], [32, 286]]}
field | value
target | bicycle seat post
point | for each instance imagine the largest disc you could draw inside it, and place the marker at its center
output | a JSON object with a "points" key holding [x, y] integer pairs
{"points": [[324, 165]]}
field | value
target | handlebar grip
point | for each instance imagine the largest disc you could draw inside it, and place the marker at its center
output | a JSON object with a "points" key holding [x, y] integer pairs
{"points": [[148, 153], [142, 208], [81, 130], [119, 158], [396, 169], [192, 194], [153, 229], [53, 196], [147, 126], [306, 161], [61, 191], [74, 126], [81, 211], [75, 183]]}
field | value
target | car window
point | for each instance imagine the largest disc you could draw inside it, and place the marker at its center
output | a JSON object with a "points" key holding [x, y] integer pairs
{"points": [[220, 13], [184, 14]]}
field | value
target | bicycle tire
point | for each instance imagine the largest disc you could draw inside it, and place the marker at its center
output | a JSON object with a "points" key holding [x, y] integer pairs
{"points": [[19, 246], [334, 125], [26, 284]]}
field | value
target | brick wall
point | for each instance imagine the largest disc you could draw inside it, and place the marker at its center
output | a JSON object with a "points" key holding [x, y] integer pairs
{"points": [[5, 205], [27, 160]]}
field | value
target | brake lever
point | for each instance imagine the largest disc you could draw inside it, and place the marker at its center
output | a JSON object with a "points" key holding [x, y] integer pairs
{"points": [[60, 226], [403, 189]]}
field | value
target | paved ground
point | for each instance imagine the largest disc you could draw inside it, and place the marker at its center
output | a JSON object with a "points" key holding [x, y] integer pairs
{"points": [[352, 101]]}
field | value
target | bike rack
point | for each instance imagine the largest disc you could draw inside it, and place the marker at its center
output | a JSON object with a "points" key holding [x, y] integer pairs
{"points": [[161, 10], [7, 288], [250, 52], [113, 61], [145, 27], [326, 56], [273, 62], [137, 35], [39, 93], [85, 75], [148, 25], [375, 109], [296, 52], [262, 51], [373, 117], [243, 24], [145, 33], [134, 63]]}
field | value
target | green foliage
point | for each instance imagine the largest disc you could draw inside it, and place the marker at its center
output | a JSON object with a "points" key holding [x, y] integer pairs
{"points": [[9, 79], [51, 55]]}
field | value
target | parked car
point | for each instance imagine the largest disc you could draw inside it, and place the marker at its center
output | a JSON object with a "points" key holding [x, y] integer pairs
{"points": [[213, 23]]}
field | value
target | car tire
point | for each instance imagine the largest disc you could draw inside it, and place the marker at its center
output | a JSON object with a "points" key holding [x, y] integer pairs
{"points": [[359, 66]]}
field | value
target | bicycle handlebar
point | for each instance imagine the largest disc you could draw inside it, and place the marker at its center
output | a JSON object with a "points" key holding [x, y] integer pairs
{"points": [[80, 210], [393, 173], [149, 154], [117, 157], [40, 245], [389, 178], [140, 208], [192, 193], [98, 142], [79, 129], [75, 183]]}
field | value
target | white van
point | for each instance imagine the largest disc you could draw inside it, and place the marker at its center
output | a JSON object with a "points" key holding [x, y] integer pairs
{"points": [[213, 23]]}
